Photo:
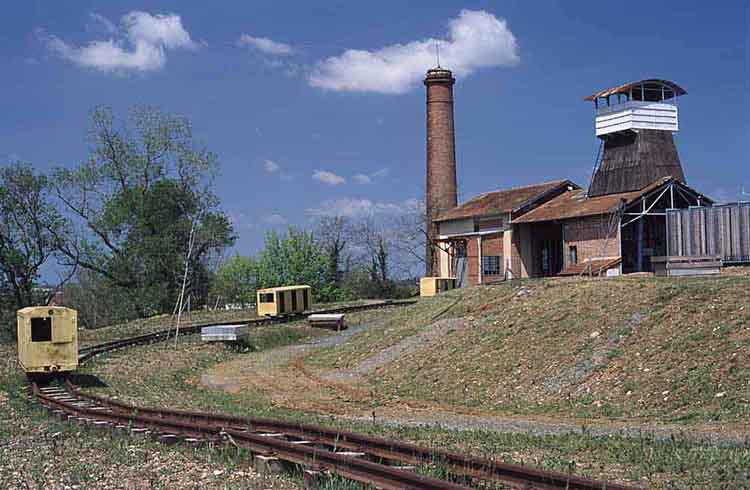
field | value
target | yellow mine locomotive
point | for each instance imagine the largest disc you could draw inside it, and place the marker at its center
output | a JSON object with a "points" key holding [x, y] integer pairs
{"points": [[47, 340], [287, 300]]}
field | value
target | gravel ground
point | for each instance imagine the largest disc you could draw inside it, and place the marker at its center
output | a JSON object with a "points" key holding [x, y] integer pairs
{"points": [[405, 346], [234, 376]]}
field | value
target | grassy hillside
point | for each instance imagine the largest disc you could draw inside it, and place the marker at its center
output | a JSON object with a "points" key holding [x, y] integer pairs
{"points": [[664, 348]]}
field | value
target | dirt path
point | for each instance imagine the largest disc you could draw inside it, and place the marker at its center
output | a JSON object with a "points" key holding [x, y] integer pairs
{"points": [[282, 376]]}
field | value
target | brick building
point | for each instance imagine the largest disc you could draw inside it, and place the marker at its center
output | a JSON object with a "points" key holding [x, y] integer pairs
{"points": [[559, 228]]}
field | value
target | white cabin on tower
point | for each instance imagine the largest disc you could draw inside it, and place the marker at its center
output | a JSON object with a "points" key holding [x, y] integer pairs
{"points": [[645, 104]]}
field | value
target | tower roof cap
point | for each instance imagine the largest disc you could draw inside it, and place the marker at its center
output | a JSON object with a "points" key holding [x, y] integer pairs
{"points": [[439, 74], [649, 83]]}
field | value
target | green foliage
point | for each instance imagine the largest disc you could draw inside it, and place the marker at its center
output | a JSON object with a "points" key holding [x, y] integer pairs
{"points": [[29, 224], [141, 194], [236, 281], [293, 258]]}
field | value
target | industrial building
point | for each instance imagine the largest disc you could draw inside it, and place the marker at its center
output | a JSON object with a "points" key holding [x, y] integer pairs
{"points": [[559, 228]]}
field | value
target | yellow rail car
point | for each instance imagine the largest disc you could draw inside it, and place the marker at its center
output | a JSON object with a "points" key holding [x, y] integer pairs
{"points": [[47, 339], [285, 300], [430, 286]]}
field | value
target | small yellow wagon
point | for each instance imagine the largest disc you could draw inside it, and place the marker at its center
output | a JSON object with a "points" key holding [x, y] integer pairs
{"points": [[430, 286], [47, 339], [287, 300]]}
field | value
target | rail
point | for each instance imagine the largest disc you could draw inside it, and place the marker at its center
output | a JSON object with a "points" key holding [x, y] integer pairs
{"points": [[291, 441], [86, 353]]}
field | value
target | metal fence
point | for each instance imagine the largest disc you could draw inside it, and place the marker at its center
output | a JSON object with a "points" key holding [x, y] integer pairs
{"points": [[718, 230]]}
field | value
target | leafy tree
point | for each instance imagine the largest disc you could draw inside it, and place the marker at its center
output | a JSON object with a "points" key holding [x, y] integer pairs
{"points": [[293, 258], [29, 224], [144, 187], [236, 280]]}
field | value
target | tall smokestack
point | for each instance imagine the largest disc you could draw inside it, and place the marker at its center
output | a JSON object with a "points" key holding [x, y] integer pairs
{"points": [[441, 156]]}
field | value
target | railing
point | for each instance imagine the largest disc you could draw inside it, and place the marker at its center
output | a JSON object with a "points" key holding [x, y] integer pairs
{"points": [[631, 104]]}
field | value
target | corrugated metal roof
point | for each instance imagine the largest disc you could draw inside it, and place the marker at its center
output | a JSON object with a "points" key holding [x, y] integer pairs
{"points": [[625, 88], [501, 201]]}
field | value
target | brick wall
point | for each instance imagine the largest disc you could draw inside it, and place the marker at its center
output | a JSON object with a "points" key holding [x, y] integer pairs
{"points": [[589, 236], [493, 246]]}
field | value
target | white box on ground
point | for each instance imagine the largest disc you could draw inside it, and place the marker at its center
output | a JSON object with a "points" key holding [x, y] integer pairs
{"points": [[225, 333]]}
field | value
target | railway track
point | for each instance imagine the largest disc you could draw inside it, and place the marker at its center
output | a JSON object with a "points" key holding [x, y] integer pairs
{"points": [[86, 353], [319, 450], [376, 461]]}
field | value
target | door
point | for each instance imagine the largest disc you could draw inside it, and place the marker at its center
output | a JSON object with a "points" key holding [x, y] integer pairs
{"points": [[281, 303]]}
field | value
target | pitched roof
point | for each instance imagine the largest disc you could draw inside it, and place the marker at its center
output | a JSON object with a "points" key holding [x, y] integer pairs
{"points": [[625, 88], [576, 204], [503, 201]]}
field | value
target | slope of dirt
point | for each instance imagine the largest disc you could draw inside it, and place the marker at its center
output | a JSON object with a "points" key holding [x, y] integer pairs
{"points": [[629, 348]]}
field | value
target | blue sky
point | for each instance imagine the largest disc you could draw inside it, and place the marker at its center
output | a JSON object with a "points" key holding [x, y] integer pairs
{"points": [[303, 126]]}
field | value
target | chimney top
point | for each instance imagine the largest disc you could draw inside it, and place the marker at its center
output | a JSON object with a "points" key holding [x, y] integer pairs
{"points": [[438, 75]]}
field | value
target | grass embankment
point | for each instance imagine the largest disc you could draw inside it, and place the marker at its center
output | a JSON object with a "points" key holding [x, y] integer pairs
{"points": [[155, 374], [636, 348]]}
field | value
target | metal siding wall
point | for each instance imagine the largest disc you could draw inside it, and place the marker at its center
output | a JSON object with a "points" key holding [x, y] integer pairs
{"points": [[720, 230], [745, 231]]}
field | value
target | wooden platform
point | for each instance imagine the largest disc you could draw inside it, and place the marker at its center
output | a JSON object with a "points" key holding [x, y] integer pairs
{"points": [[674, 266]]}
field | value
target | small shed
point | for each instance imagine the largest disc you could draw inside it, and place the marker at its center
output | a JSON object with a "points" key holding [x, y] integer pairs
{"points": [[225, 333]]}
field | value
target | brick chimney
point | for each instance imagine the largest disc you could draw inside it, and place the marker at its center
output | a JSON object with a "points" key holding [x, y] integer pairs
{"points": [[441, 156]]}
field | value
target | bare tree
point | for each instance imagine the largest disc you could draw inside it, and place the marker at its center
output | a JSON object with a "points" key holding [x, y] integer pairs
{"points": [[334, 233], [375, 241]]}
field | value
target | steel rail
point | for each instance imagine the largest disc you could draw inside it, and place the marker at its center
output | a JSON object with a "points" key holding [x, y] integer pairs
{"points": [[86, 353], [479, 468], [379, 475]]}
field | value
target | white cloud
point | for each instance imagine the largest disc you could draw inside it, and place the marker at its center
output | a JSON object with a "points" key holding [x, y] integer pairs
{"points": [[327, 177], [275, 219], [369, 178], [104, 22], [265, 45], [271, 166], [476, 39], [357, 208], [148, 37]]}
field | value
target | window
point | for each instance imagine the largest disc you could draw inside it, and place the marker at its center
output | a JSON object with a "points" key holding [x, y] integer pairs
{"points": [[306, 299], [294, 300], [491, 265], [41, 329], [266, 297], [573, 250]]}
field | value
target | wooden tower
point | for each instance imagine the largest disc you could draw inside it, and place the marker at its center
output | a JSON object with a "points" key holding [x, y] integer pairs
{"points": [[635, 122]]}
